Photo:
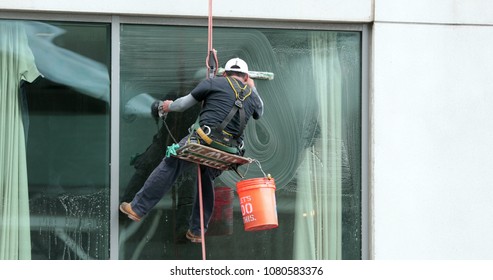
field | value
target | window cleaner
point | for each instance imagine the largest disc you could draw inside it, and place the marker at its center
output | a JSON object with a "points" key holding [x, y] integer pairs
{"points": [[217, 155]]}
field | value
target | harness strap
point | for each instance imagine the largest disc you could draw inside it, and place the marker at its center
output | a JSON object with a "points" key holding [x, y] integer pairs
{"points": [[228, 118], [240, 97], [219, 130]]}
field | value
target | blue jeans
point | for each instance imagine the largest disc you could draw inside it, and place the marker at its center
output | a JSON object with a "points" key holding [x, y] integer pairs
{"points": [[161, 180]]}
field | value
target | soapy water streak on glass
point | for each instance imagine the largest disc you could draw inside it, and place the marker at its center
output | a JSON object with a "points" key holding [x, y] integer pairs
{"points": [[71, 227]]}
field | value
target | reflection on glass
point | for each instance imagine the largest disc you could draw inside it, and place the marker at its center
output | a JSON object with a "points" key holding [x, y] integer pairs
{"points": [[65, 128], [308, 140]]}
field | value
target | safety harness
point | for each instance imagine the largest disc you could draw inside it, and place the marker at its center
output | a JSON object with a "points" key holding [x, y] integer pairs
{"points": [[217, 137]]}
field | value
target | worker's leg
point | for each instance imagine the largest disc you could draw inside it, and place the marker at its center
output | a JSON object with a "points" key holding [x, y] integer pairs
{"points": [[208, 175], [159, 183]]}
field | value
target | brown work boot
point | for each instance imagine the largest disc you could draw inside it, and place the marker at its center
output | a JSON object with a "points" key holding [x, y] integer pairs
{"points": [[193, 238], [127, 209]]}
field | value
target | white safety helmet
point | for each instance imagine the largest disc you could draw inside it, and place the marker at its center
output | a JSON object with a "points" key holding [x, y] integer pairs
{"points": [[236, 65]]}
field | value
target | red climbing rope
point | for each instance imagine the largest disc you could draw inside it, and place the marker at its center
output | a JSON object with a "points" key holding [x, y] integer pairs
{"points": [[211, 60], [211, 63], [201, 203], [209, 36]]}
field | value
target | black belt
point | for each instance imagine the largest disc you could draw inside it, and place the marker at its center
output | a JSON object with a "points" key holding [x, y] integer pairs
{"points": [[213, 143]]}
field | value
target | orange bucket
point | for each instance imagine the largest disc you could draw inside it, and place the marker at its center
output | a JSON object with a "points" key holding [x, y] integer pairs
{"points": [[258, 203]]}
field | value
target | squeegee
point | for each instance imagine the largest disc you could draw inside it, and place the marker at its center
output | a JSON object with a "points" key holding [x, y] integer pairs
{"points": [[253, 74]]}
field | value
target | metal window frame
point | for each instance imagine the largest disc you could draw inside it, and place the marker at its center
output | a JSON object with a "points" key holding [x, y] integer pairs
{"points": [[117, 20]]}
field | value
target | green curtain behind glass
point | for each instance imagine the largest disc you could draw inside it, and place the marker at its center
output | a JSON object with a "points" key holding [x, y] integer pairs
{"points": [[318, 219], [17, 64]]}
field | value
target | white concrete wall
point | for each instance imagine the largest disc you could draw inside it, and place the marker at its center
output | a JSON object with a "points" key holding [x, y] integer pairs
{"points": [[325, 10], [433, 129], [435, 11]]}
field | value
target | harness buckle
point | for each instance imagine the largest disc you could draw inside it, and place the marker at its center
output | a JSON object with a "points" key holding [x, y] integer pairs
{"points": [[239, 104], [207, 130]]}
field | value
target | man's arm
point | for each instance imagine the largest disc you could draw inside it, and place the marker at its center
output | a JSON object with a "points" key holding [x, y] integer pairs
{"points": [[258, 113], [260, 109], [179, 105]]}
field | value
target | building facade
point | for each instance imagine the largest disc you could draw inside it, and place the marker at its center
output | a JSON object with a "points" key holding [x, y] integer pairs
{"points": [[369, 127]]}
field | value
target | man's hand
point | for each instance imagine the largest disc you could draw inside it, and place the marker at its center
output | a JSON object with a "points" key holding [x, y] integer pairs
{"points": [[250, 82], [165, 106]]}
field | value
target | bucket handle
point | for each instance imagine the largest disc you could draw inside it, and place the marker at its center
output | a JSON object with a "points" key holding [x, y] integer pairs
{"points": [[260, 166]]}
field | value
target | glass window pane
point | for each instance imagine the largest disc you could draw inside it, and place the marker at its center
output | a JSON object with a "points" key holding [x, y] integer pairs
{"points": [[308, 140], [64, 118]]}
